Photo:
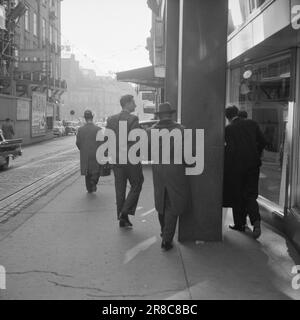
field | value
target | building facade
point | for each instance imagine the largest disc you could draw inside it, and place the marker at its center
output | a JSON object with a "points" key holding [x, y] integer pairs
{"points": [[86, 90], [32, 72], [262, 78]]}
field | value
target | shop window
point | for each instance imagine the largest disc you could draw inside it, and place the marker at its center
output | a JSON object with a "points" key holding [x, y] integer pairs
{"points": [[255, 4], [263, 90]]}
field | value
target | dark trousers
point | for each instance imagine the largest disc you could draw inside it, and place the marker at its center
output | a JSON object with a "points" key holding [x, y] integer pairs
{"points": [[123, 174], [167, 220], [91, 181], [246, 200]]}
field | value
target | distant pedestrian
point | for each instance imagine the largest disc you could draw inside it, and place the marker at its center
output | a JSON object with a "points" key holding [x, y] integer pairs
{"points": [[244, 145], [8, 129], [243, 114], [124, 173], [87, 144], [171, 187]]}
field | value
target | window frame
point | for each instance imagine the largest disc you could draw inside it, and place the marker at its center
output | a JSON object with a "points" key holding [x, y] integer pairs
{"points": [[251, 15]]}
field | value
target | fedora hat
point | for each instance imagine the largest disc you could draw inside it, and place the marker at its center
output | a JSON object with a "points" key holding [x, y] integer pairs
{"points": [[165, 108]]}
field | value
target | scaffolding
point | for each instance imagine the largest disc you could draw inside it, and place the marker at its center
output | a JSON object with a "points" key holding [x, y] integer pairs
{"points": [[13, 12]]}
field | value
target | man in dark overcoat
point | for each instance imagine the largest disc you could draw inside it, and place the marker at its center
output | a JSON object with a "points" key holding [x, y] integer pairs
{"points": [[171, 186], [126, 172], [87, 144], [8, 130], [244, 144]]}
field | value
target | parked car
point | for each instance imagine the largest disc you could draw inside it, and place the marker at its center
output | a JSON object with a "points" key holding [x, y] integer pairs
{"points": [[147, 124], [70, 127], [59, 129], [100, 124], [9, 149]]}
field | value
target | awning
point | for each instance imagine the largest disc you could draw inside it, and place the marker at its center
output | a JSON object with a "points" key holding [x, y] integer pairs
{"points": [[146, 76]]}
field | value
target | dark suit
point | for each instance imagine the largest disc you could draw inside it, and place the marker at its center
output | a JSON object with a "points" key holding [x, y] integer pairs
{"points": [[87, 144], [244, 145], [126, 172], [171, 186]]}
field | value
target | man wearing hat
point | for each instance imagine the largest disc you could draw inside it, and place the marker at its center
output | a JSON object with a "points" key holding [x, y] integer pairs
{"points": [[171, 187], [87, 144]]}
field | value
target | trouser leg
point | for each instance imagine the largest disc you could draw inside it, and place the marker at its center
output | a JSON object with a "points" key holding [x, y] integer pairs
{"points": [[136, 179], [238, 208], [161, 218], [239, 214], [251, 195], [88, 182], [120, 187], [170, 221], [95, 178]]}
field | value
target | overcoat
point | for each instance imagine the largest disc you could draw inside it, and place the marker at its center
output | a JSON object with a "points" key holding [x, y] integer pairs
{"points": [[170, 178], [244, 144], [87, 144]]}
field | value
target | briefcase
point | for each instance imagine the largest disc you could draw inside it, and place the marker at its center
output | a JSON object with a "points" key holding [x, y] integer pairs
{"points": [[105, 170]]}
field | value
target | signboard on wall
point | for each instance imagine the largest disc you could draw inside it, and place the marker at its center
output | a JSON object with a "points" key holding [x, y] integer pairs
{"points": [[23, 110], [39, 109]]}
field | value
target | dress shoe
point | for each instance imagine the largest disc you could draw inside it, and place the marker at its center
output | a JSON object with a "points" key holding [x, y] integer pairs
{"points": [[128, 222], [256, 230], [124, 217], [166, 246], [125, 224], [238, 228]]}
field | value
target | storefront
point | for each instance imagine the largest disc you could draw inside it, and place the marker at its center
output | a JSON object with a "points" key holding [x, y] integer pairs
{"points": [[263, 90], [264, 81]]}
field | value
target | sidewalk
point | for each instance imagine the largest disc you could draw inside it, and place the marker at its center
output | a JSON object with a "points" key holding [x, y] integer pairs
{"points": [[72, 248]]}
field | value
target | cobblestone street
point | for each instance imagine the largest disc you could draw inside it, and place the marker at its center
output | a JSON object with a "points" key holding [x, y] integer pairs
{"points": [[40, 168], [37, 162]]}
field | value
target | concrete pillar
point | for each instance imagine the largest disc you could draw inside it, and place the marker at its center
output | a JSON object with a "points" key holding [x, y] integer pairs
{"points": [[172, 42], [202, 96]]}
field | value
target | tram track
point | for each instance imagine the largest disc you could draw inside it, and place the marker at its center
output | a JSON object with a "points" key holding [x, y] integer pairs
{"points": [[25, 183], [11, 205]]}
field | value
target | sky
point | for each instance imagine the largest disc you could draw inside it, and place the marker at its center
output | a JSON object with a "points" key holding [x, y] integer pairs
{"points": [[107, 35]]}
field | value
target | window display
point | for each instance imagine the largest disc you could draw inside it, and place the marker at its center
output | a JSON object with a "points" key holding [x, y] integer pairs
{"points": [[263, 90]]}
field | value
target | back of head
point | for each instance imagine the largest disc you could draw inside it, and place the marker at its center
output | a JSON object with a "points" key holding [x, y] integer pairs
{"points": [[125, 100], [88, 115], [7, 120], [231, 112], [243, 114]]}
